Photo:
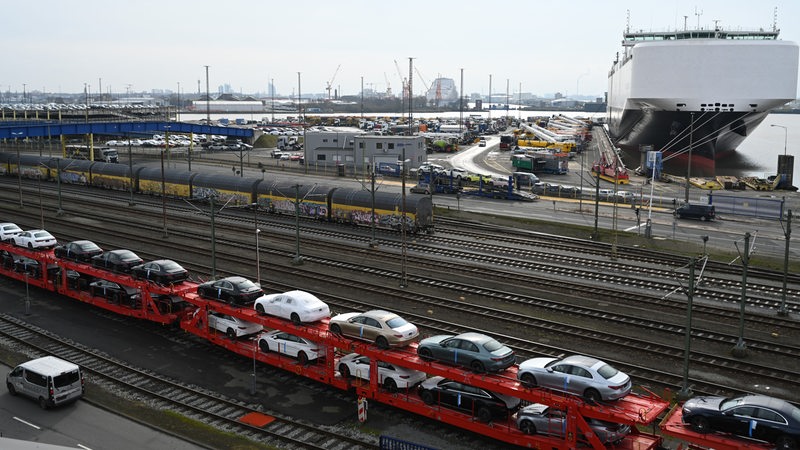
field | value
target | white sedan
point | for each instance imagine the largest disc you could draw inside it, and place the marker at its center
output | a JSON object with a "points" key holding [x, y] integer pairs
{"points": [[288, 344], [233, 327], [8, 230], [35, 239], [390, 376], [297, 306]]}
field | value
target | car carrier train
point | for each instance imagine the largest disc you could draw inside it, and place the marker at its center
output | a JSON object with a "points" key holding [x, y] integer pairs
{"points": [[328, 203]]}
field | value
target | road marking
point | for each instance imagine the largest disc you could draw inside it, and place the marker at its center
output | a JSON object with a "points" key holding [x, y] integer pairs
{"points": [[633, 228], [84, 447], [26, 423]]}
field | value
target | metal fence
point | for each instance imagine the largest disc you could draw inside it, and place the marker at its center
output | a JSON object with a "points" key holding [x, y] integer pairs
{"points": [[390, 443], [764, 208]]}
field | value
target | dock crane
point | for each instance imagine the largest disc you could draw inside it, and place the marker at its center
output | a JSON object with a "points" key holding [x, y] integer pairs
{"points": [[330, 83], [388, 86], [403, 80]]}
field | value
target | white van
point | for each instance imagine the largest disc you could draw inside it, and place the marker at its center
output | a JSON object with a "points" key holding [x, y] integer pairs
{"points": [[49, 380]]}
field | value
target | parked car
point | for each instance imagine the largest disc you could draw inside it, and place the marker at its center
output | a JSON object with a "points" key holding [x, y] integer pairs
{"points": [[81, 251], [115, 292], [306, 351], [581, 375], [238, 291], [752, 416], [233, 327], [35, 239], [117, 260], [427, 167], [297, 306], [482, 142], [8, 230], [483, 404], [543, 419], [390, 376], [476, 351], [162, 271], [605, 194], [696, 211], [384, 328], [421, 188]]}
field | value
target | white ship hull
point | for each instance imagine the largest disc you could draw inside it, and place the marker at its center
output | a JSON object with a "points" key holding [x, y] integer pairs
{"points": [[710, 93]]}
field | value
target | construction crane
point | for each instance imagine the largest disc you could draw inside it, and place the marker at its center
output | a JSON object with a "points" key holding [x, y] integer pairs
{"points": [[403, 80], [330, 83], [388, 86]]}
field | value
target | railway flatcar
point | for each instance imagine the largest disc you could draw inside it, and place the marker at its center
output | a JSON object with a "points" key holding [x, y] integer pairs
{"points": [[227, 189], [177, 183], [355, 206], [280, 197]]}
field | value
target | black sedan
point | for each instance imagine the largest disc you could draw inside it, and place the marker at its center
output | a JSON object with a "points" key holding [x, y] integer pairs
{"points": [[115, 292], [237, 291], [162, 271], [117, 260], [752, 416], [480, 403], [81, 251]]}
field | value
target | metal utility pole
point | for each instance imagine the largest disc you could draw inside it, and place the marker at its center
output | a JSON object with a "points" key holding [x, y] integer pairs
{"points": [[297, 259], [403, 274], [410, 98], [740, 350], [689, 163], [461, 104], [686, 392], [490, 99], [788, 233], [374, 242], [163, 197], [213, 240], [208, 101]]}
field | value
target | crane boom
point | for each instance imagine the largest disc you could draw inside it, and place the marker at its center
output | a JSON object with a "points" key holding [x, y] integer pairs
{"points": [[330, 83]]}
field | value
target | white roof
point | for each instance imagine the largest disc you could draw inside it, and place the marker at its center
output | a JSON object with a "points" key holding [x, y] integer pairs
{"points": [[49, 365]]}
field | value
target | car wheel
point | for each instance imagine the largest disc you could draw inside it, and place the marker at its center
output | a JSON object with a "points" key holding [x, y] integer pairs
{"points": [[302, 358], [11, 389], [528, 380], [390, 385], [477, 367], [527, 427], [592, 396], [335, 329], [427, 397], [785, 443], [484, 415], [700, 424], [703, 218], [264, 346], [230, 333], [425, 354], [296, 319], [382, 343], [344, 371], [43, 403], [260, 309], [30, 246]]}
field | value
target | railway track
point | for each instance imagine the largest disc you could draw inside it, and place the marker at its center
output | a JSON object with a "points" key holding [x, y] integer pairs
{"points": [[711, 361], [191, 401]]}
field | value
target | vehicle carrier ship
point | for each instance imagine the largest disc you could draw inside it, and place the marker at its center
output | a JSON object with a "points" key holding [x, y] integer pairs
{"points": [[704, 89]]}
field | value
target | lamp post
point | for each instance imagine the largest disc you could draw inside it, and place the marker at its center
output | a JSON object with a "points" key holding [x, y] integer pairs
{"points": [[785, 136], [19, 169], [788, 233], [403, 272], [297, 259]]}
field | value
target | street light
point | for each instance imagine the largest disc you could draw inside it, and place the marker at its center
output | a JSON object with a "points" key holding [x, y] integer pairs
{"points": [[689, 163], [785, 136], [403, 271]]}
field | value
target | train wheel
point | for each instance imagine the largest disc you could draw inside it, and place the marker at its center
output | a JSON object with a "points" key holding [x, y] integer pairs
{"points": [[477, 367]]}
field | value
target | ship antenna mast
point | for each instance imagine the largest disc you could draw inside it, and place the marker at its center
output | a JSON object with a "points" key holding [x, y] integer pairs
{"points": [[775, 20], [698, 14], [685, 27], [628, 21]]}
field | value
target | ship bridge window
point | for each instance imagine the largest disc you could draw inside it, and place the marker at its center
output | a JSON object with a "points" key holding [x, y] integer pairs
{"points": [[754, 105], [681, 105]]}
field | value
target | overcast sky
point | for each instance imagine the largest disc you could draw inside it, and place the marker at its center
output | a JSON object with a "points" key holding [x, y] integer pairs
{"points": [[546, 46]]}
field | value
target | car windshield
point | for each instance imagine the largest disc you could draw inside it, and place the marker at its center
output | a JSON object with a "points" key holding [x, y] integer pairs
{"points": [[396, 322], [607, 371], [492, 345]]}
